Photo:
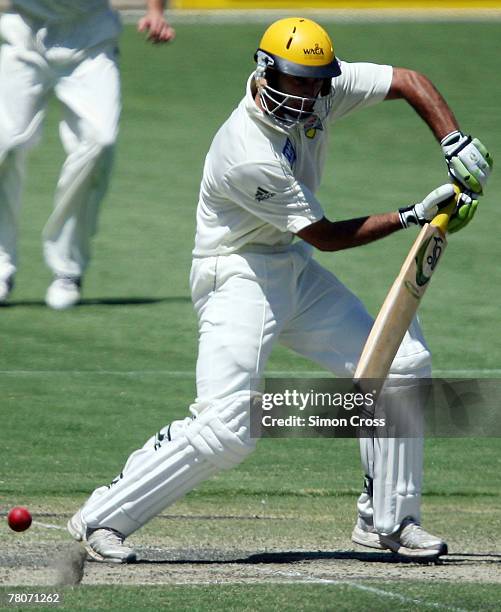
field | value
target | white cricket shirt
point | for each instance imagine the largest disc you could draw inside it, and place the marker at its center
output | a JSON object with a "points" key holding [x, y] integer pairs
{"points": [[259, 179]]}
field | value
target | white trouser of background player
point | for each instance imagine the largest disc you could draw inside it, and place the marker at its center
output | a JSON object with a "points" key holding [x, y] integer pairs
{"points": [[87, 84], [245, 303]]}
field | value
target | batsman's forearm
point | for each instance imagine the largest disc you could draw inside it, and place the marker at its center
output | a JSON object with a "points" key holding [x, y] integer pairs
{"points": [[327, 235], [416, 89]]}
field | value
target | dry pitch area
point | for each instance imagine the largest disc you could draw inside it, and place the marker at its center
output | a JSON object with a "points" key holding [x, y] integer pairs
{"points": [[201, 544], [25, 565]]}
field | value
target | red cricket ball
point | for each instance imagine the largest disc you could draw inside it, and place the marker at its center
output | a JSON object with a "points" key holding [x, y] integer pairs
{"points": [[19, 518]]}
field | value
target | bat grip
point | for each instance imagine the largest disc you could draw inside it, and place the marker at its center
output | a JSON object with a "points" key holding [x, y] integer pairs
{"points": [[441, 221]]}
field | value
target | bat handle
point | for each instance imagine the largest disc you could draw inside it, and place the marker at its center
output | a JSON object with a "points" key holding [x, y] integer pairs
{"points": [[441, 221]]}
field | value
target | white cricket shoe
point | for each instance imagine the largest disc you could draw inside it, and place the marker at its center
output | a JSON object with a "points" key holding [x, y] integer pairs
{"points": [[105, 545], [6, 286], [63, 292], [411, 540]]}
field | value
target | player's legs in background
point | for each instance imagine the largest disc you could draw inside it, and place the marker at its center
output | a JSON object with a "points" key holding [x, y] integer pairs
{"points": [[11, 181], [24, 82], [90, 93], [240, 302], [331, 329]]}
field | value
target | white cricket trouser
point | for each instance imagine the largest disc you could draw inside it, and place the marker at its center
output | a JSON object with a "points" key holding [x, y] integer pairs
{"points": [[245, 303], [87, 84]]}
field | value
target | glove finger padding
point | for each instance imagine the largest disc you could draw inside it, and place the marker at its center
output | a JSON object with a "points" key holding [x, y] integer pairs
{"points": [[484, 152], [471, 179], [468, 160], [463, 215]]}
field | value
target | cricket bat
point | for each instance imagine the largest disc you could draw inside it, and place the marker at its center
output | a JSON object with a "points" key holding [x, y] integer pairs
{"points": [[404, 297]]}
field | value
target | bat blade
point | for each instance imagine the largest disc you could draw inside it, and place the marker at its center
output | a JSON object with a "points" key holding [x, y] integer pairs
{"points": [[401, 304]]}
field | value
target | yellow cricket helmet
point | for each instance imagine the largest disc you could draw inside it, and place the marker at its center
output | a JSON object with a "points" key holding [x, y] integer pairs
{"points": [[299, 47]]}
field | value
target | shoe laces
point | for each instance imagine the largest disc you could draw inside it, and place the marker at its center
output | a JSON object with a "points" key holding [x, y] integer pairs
{"points": [[413, 533]]}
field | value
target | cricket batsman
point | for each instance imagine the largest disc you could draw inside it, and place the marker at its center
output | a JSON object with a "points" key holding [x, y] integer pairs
{"points": [[254, 283], [68, 47]]}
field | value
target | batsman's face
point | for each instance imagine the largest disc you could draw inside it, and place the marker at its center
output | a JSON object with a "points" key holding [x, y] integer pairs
{"points": [[291, 99], [299, 87]]}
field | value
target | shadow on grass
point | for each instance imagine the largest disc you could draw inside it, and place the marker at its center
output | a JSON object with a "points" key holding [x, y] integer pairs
{"points": [[118, 301]]}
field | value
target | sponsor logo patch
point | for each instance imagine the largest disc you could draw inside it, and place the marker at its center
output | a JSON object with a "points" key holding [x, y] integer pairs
{"points": [[263, 194], [289, 152], [316, 50], [311, 126]]}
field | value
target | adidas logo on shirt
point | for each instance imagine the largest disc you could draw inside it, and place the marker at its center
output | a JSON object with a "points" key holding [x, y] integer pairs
{"points": [[263, 194]]}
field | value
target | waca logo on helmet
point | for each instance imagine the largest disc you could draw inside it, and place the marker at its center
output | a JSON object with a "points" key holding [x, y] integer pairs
{"points": [[316, 51]]}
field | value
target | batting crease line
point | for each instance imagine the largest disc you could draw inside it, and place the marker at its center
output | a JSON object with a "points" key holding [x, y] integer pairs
{"points": [[308, 579], [47, 526], [402, 598]]}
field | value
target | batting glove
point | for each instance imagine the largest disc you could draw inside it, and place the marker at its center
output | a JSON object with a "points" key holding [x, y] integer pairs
{"points": [[468, 161], [464, 213], [422, 212]]}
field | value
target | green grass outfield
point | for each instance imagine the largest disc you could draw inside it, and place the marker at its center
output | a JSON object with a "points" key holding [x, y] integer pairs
{"points": [[81, 389], [269, 597]]}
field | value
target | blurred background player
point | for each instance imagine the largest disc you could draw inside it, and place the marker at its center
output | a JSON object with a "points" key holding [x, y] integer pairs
{"points": [[68, 47], [253, 286]]}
